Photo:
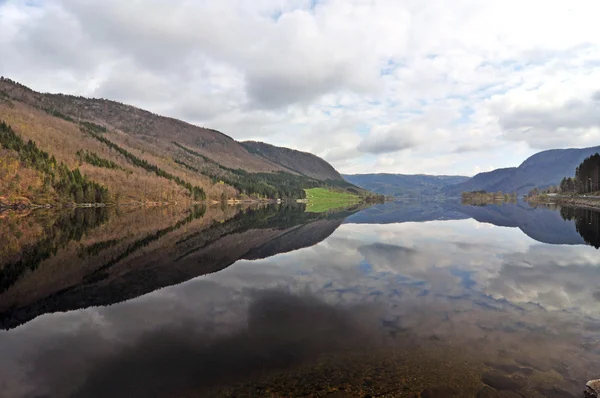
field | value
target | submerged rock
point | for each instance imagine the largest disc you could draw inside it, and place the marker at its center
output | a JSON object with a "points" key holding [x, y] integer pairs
{"points": [[509, 394], [556, 392], [535, 363], [592, 389], [501, 382], [507, 368], [487, 392], [439, 392]]}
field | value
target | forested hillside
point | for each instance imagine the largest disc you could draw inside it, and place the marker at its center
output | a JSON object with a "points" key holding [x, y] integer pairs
{"points": [[62, 148]]}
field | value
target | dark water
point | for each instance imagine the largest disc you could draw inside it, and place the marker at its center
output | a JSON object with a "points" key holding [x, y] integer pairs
{"points": [[397, 300]]}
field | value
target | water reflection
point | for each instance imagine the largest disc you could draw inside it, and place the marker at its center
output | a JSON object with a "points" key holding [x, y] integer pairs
{"points": [[139, 252], [544, 223], [187, 356], [56, 230], [313, 307], [587, 223]]}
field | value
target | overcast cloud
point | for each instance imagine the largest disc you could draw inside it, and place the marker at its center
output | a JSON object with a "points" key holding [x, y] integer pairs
{"points": [[409, 86]]}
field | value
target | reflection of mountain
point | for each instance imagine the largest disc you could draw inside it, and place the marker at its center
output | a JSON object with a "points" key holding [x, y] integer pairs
{"points": [[174, 255], [542, 224], [56, 232], [410, 211]]}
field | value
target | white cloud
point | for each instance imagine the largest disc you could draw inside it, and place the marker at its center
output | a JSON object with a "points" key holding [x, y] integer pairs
{"points": [[461, 84], [391, 138]]}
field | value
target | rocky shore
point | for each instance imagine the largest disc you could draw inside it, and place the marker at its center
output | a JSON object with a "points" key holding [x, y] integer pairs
{"points": [[586, 203], [592, 389], [583, 202]]}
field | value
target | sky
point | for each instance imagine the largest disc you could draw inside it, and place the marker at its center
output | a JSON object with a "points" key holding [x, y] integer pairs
{"points": [[395, 86]]}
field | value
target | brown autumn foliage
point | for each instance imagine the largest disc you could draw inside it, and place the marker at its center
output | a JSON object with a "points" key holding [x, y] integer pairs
{"points": [[187, 156], [63, 139], [17, 182], [139, 156], [151, 128]]}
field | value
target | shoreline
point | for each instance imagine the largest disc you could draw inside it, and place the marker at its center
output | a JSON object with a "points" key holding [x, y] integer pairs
{"points": [[577, 201], [22, 206]]}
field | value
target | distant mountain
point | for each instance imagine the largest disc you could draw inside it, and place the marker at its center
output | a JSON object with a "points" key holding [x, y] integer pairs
{"points": [[539, 171], [294, 161], [403, 184], [491, 181]]}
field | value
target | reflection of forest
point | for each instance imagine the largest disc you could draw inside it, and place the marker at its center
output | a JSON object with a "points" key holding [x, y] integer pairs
{"points": [[55, 233], [73, 264], [587, 223]]}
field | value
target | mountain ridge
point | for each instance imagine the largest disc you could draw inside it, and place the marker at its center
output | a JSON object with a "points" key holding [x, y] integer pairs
{"points": [[171, 160], [304, 163], [541, 170], [403, 184]]}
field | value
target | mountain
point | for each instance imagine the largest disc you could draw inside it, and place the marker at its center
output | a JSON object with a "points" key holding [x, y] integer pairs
{"points": [[540, 170], [491, 181], [403, 184], [86, 148], [294, 161]]}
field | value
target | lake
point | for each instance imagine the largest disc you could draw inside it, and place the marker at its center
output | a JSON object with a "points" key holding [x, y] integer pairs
{"points": [[404, 299]]}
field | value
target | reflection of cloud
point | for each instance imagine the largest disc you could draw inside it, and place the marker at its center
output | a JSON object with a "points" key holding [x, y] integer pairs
{"points": [[467, 286], [501, 262], [554, 277], [391, 257], [282, 329]]}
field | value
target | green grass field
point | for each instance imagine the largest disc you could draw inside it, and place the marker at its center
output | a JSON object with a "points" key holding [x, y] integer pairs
{"points": [[321, 200]]}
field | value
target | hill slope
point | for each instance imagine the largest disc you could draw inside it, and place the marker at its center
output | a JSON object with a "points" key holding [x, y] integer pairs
{"points": [[491, 181], [142, 124], [137, 155], [402, 184], [540, 170], [294, 161]]}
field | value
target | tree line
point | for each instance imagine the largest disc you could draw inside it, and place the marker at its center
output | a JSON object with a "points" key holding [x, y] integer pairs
{"points": [[587, 177], [68, 184], [187, 166], [95, 160], [586, 180], [280, 185], [196, 192]]}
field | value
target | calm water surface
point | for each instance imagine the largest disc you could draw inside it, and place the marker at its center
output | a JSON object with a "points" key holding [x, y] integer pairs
{"points": [[397, 300]]}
